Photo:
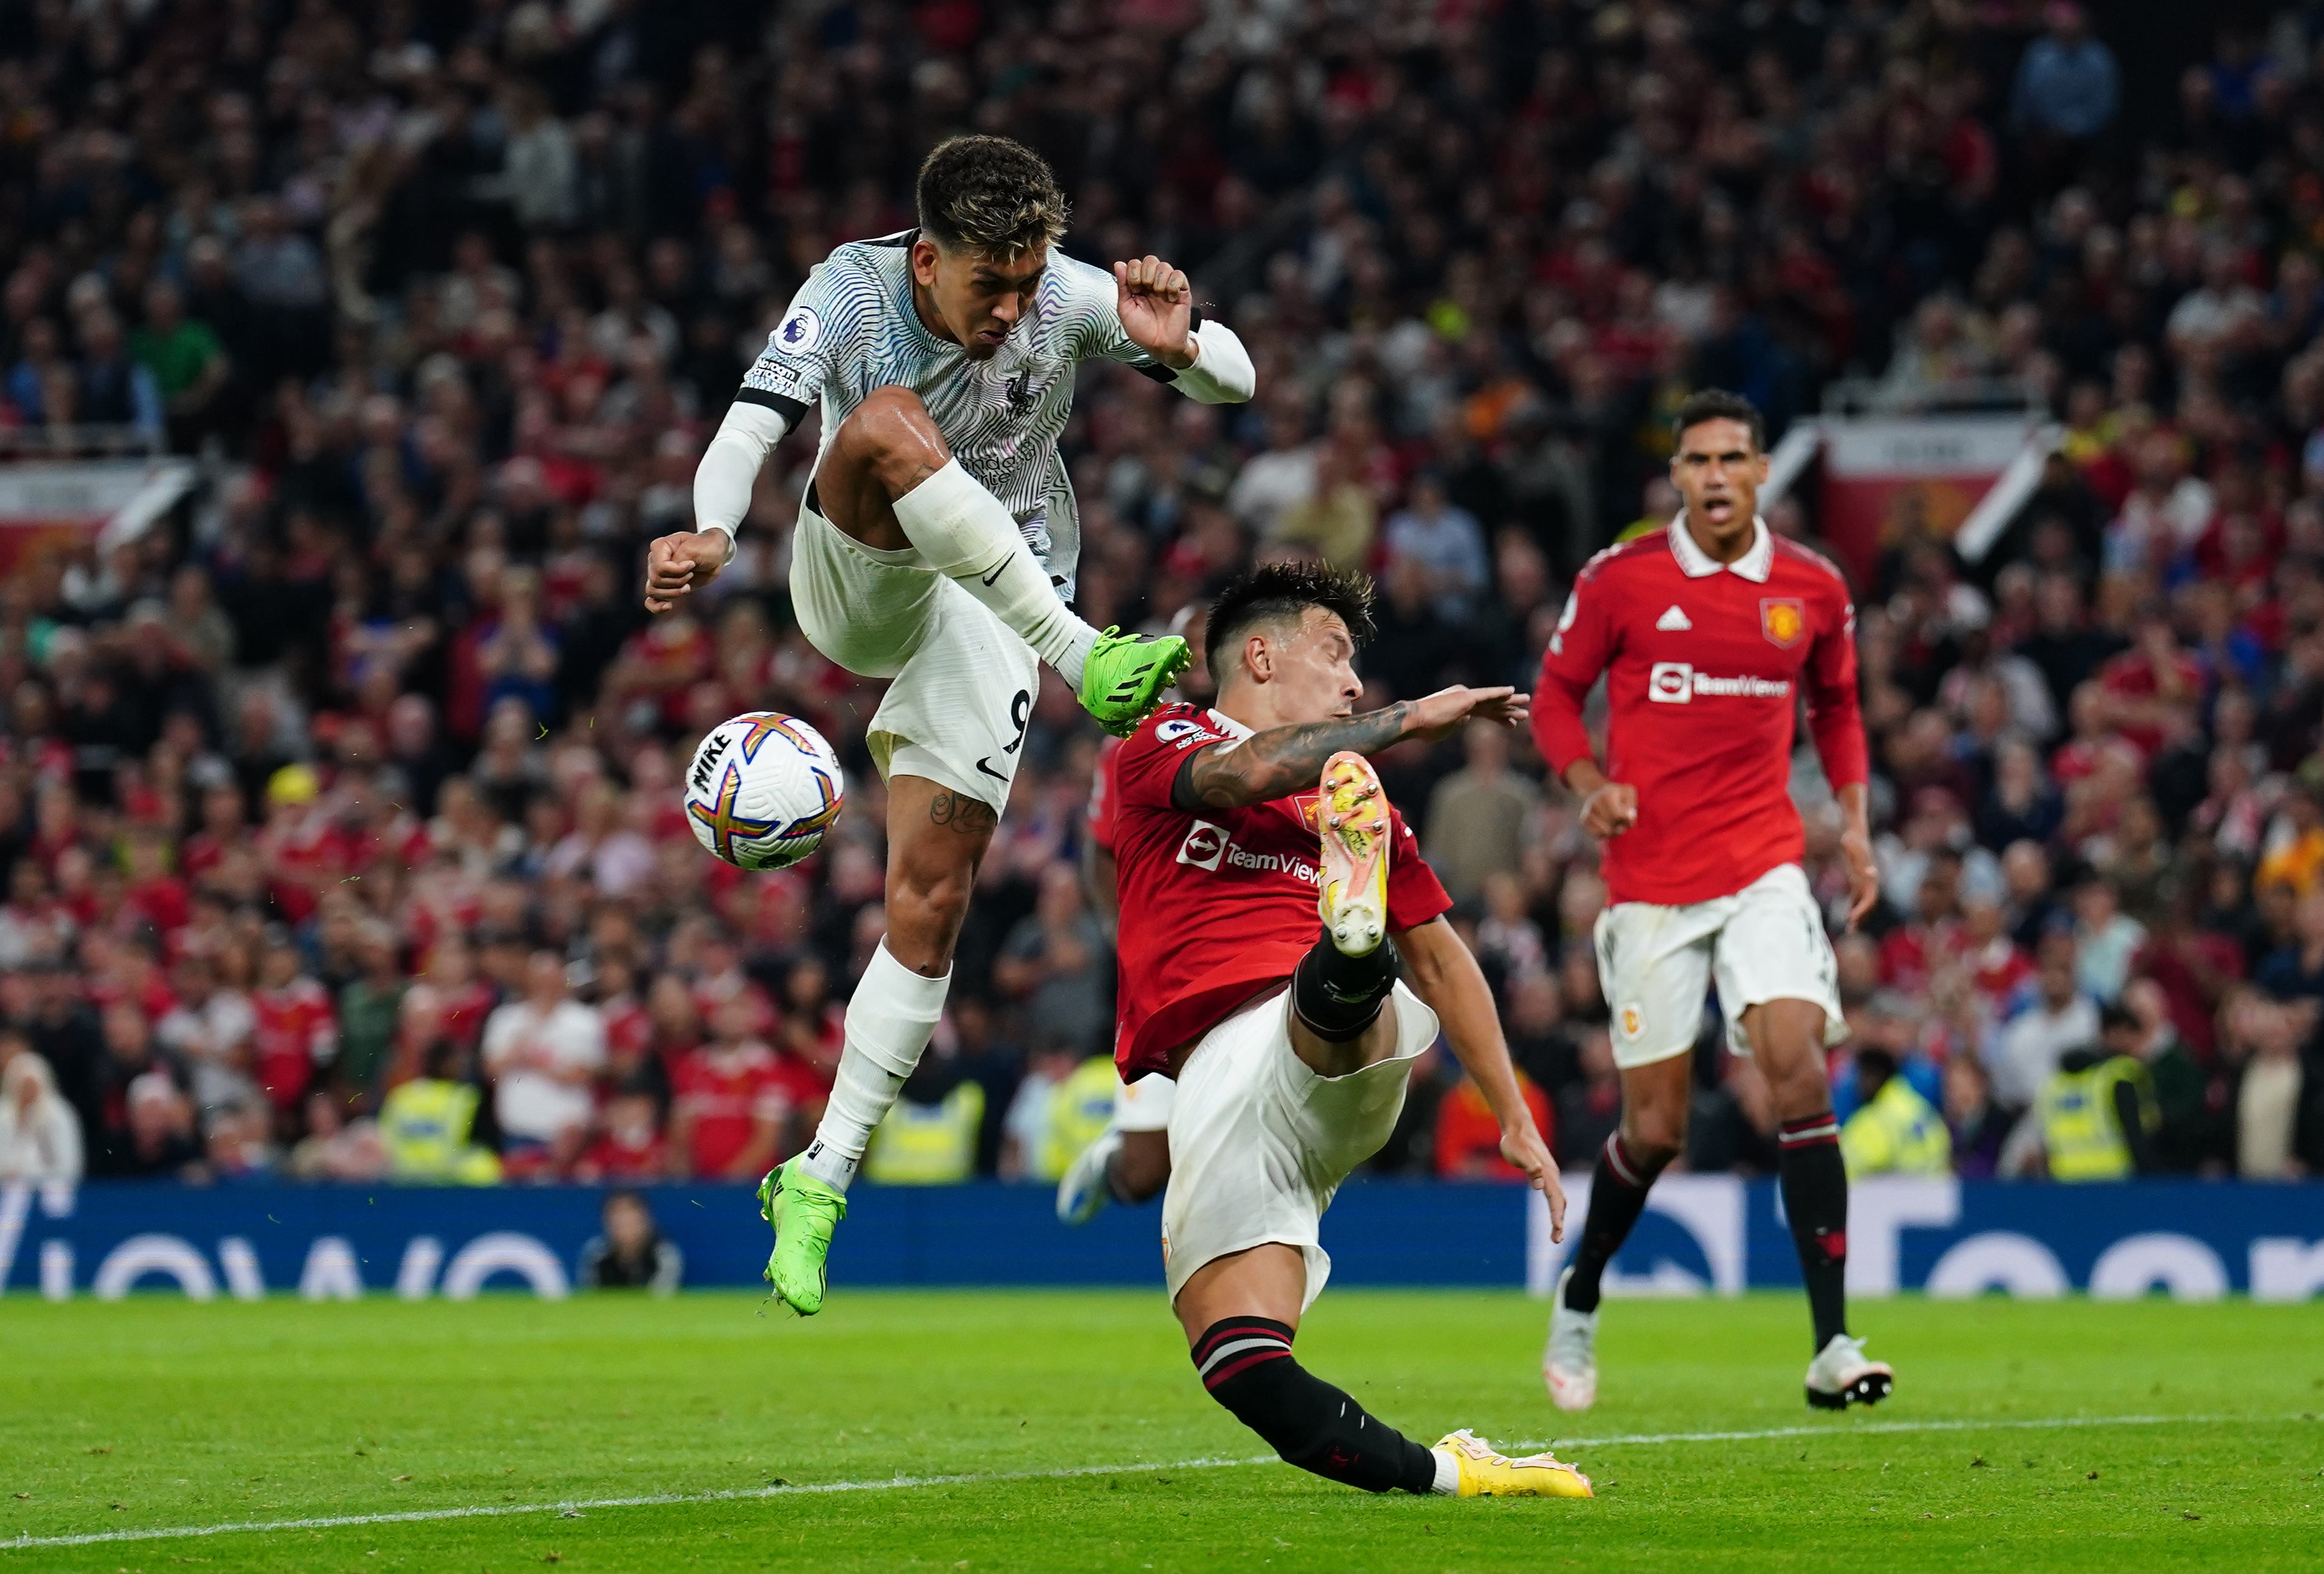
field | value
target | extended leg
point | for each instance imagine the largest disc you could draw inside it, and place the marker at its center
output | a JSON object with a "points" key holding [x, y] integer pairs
{"points": [[1787, 1038], [936, 837], [1241, 1314]]}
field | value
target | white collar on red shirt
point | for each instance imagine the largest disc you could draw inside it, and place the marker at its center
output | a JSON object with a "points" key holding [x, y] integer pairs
{"points": [[1222, 722], [1697, 564]]}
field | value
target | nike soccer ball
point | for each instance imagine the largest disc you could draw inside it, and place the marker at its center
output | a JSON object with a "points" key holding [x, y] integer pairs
{"points": [[763, 789]]}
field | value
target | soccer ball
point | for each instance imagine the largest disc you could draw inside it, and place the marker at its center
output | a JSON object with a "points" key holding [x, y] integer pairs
{"points": [[763, 789]]}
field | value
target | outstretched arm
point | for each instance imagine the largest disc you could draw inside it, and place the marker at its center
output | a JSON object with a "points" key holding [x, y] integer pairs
{"points": [[1447, 980], [1284, 760]]}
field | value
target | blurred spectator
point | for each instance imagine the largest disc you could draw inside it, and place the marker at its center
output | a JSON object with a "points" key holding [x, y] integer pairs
{"points": [[2057, 1019], [2094, 1119], [2185, 1124], [40, 1135], [1893, 1131], [1480, 817], [2067, 82], [1445, 543], [1469, 1138], [630, 1253], [2277, 1092], [542, 1050], [426, 1124], [1977, 1125], [1057, 962], [733, 1101]]}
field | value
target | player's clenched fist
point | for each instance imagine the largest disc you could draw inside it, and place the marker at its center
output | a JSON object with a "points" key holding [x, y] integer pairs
{"points": [[675, 564], [1610, 810], [1156, 304]]}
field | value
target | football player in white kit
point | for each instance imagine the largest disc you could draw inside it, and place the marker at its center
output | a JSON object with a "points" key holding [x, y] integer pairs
{"points": [[935, 546]]}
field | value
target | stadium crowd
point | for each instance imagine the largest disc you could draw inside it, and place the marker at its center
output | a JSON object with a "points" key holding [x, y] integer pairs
{"points": [[339, 818]]}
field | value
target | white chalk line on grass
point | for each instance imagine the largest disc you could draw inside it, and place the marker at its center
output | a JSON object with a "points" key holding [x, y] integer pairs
{"points": [[886, 1483]]}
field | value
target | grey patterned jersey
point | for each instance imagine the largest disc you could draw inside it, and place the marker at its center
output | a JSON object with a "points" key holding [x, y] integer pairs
{"points": [[852, 328]]}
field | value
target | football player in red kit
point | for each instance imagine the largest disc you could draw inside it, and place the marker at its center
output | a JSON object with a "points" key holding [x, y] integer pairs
{"points": [[1130, 1161], [1709, 633], [1291, 1049]]}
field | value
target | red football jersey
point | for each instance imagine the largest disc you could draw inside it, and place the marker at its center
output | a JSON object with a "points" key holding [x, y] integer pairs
{"points": [[1223, 902], [1704, 664]]}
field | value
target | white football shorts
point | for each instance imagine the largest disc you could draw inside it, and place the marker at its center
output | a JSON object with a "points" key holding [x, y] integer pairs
{"points": [[1766, 942], [1259, 1143], [963, 683], [1144, 1106]]}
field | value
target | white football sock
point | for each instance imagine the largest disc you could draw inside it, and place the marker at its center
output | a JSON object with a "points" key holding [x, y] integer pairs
{"points": [[960, 531], [1448, 1474], [890, 1019]]}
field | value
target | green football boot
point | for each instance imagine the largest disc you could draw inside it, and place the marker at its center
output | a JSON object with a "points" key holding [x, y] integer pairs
{"points": [[804, 1212], [1124, 680]]}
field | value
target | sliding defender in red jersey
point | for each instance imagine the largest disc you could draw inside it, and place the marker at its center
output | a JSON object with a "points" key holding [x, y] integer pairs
{"points": [[1236, 827], [1709, 635], [1130, 1161]]}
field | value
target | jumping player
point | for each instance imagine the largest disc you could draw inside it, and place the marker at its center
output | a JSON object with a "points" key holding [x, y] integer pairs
{"points": [[1291, 1052], [1708, 633], [935, 546]]}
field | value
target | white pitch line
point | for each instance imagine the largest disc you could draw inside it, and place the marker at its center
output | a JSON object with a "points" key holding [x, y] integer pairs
{"points": [[1895, 1426], [668, 1499]]}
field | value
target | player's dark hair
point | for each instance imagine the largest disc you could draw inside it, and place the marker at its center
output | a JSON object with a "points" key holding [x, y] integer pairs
{"points": [[1718, 404], [990, 195], [1282, 592]]}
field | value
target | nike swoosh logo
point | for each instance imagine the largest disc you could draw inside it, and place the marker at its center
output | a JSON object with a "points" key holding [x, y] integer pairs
{"points": [[999, 568], [988, 770]]}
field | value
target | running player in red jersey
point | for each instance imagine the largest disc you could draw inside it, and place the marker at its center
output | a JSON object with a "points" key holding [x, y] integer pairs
{"points": [[1291, 1052], [1708, 634]]}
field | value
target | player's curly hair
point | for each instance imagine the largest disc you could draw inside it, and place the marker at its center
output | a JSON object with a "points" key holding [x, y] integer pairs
{"points": [[991, 196], [1279, 593]]}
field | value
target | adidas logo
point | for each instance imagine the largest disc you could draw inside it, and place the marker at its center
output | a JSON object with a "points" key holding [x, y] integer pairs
{"points": [[1673, 621]]}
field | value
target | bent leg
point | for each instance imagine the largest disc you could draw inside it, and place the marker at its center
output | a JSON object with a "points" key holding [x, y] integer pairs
{"points": [[936, 839], [1787, 1038], [889, 480], [1240, 1313]]}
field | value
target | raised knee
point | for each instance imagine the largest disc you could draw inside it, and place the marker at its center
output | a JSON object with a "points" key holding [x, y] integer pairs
{"points": [[890, 421]]}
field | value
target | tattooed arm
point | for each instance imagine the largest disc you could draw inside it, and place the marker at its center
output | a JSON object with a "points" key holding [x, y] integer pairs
{"points": [[1283, 760]]}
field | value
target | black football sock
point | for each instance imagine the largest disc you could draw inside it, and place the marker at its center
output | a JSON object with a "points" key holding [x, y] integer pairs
{"points": [[1338, 996], [1815, 1199], [1246, 1363], [1618, 1195]]}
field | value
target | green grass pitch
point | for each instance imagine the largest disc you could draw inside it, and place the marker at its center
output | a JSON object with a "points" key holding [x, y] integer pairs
{"points": [[156, 1414]]}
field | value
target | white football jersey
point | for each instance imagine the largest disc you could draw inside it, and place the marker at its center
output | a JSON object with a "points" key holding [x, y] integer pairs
{"points": [[852, 328]]}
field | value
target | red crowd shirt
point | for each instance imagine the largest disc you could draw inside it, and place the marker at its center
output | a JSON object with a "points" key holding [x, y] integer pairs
{"points": [[728, 1092], [1705, 666], [297, 1031], [1219, 905]]}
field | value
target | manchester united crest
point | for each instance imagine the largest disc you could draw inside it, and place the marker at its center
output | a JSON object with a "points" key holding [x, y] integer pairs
{"points": [[1784, 619]]}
